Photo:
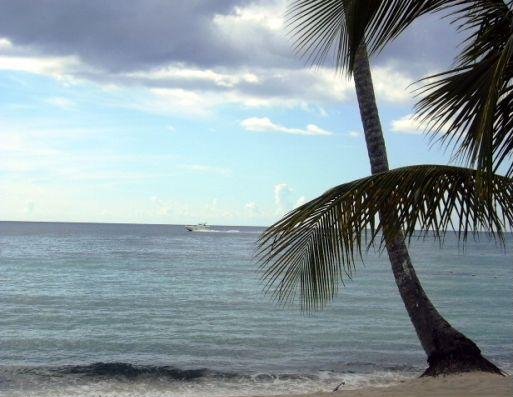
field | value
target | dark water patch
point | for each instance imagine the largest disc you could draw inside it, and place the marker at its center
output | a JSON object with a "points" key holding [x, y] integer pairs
{"points": [[131, 372], [19, 376], [125, 379], [120, 371]]}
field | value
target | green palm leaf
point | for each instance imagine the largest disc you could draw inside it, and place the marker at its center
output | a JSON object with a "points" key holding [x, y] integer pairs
{"points": [[472, 104], [307, 254]]}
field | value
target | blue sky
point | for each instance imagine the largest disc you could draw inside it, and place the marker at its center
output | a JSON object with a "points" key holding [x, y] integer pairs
{"points": [[182, 113]]}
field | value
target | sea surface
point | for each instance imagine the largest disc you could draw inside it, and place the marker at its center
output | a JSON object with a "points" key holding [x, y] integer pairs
{"points": [[154, 310]]}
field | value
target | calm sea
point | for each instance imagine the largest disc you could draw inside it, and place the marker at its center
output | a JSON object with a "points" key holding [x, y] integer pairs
{"points": [[148, 310]]}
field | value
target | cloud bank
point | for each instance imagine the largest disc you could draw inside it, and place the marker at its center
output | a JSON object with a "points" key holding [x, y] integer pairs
{"points": [[227, 51]]}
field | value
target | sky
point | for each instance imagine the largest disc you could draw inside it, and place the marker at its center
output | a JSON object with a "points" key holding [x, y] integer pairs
{"points": [[180, 111]]}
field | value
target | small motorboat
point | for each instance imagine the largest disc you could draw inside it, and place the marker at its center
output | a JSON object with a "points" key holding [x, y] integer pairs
{"points": [[200, 227]]}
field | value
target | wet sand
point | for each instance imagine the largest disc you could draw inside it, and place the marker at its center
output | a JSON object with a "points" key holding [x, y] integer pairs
{"points": [[467, 385]]}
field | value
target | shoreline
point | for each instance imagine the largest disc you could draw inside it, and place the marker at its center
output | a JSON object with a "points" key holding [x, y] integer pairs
{"points": [[463, 385], [101, 380]]}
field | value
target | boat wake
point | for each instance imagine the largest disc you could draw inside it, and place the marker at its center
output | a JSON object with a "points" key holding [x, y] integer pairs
{"points": [[230, 231]]}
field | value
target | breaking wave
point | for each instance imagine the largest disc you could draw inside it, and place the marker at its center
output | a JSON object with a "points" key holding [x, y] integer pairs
{"points": [[124, 379]]}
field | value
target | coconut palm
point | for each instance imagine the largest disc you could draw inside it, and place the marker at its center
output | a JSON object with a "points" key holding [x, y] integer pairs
{"points": [[312, 249]]}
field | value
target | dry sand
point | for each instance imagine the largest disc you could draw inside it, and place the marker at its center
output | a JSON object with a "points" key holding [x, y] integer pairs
{"points": [[467, 385]]}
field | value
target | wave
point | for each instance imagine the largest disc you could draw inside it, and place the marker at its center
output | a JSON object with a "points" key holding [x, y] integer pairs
{"points": [[122, 379], [128, 371], [116, 370]]}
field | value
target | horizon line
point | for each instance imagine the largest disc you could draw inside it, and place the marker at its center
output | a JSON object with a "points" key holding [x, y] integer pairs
{"points": [[184, 224]]}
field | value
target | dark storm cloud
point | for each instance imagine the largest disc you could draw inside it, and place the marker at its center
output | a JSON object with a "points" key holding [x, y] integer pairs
{"points": [[430, 43], [115, 36], [120, 34]]}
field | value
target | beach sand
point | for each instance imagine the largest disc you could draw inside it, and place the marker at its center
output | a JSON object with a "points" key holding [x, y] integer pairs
{"points": [[466, 385]]}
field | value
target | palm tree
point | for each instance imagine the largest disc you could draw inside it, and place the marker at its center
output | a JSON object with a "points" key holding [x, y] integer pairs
{"points": [[314, 247]]}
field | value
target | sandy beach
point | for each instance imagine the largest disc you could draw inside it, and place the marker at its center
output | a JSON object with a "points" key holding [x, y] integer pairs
{"points": [[467, 385]]}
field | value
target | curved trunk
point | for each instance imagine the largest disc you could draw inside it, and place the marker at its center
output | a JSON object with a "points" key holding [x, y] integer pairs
{"points": [[448, 350]]}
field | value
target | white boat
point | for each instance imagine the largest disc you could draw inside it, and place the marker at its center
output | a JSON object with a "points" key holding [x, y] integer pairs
{"points": [[200, 227]]}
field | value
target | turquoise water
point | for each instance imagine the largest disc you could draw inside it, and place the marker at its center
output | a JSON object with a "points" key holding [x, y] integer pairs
{"points": [[119, 310]]}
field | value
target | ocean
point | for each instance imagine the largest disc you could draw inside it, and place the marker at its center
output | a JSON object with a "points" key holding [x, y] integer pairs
{"points": [[154, 310]]}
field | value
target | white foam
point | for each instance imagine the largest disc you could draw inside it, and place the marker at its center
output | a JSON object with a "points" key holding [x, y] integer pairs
{"points": [[253, 386]]}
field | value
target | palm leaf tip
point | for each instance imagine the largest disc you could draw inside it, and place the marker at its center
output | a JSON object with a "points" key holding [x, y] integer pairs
{"points": [[289, 255]]}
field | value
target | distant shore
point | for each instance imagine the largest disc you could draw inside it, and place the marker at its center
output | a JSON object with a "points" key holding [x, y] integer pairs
{"points": [[466, 385]]}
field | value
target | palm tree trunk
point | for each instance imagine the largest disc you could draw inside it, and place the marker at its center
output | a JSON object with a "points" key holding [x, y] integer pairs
{"points": [[448, 350]]}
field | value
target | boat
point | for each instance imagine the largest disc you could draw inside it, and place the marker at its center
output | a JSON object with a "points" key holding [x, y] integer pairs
{"points": [[200, 227]]}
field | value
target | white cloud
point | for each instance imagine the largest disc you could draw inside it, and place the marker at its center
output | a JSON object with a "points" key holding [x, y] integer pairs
{"points": [[407, 125], [180, 102], [282, 197], [410, 124], [212, 211], [171, 128], [264, 124], [62, 103], [5, 44], [177, 73], [252, 208], [391, 85], [354, 134], [300, 201], [251, 205], [60, 68], [245, 19], [258, 25]]}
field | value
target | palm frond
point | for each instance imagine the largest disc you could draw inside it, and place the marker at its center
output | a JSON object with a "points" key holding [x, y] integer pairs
{"points": [[307, 254], [318, 26], [470, 106]]}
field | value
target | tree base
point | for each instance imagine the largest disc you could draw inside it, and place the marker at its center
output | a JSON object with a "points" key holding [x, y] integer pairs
{"points": [[468, 359]]}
